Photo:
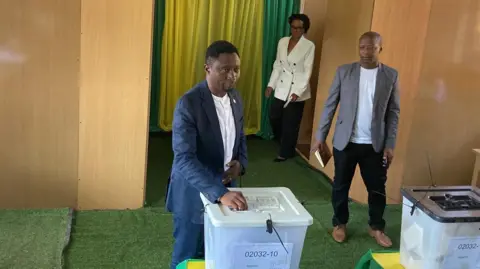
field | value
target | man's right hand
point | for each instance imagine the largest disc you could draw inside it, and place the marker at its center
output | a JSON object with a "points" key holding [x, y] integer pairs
{"points": [[234, 200], [319, 145], [268, 91]]}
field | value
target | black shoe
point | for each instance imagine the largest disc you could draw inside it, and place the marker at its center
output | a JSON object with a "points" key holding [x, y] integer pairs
{"points": [[279, 160]]}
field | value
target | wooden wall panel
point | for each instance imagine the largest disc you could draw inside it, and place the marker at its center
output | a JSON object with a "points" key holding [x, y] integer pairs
{"points": [[114, 102], [434, 44], [316, 10], [340, 45], [403, 25], [445, 123], [39, 52], [74, 97]]}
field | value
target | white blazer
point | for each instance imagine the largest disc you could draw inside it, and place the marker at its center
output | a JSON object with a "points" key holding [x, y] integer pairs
{"points": [[291, 73]]}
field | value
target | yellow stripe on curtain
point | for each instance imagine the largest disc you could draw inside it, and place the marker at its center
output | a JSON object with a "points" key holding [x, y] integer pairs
{"points": [[192, 25]]}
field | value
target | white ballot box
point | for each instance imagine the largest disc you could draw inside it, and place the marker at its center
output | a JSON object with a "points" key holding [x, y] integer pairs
{"points": [[440, 228], [269, 235]]}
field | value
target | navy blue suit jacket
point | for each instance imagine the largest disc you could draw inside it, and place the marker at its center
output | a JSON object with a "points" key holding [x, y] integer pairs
{"points": [[198, 163]]}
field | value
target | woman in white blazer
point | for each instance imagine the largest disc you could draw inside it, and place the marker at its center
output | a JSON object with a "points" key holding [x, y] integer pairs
{"points": [[289, 83]]}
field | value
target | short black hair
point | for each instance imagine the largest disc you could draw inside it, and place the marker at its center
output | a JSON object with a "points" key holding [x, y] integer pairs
{"points": [[219, 47], [373, 35], [301, 17]]}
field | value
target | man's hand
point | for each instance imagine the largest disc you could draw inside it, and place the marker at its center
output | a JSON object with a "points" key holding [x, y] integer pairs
{"points": [[319, 145], [268, 91], [294, 97], [388, 156], [234, 200], [234, 170]]}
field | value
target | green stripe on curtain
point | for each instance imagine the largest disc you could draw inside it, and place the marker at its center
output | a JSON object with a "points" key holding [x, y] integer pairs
{"points": [[275, 26], [159, 21]]}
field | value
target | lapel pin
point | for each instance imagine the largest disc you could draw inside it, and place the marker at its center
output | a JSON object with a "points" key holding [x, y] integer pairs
{"points": [[234, 101]]}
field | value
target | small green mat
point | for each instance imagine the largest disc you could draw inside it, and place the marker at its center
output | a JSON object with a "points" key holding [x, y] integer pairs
{"points": [[143, 238], [33, 238], [380, 260], [192, 264]]}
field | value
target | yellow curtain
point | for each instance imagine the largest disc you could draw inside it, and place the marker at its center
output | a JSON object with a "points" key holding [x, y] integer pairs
{"points": [[192, 25]]}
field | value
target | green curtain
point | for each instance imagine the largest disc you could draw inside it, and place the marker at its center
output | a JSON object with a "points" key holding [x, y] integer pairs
{"points": [[159, 21], [275, 27], [190, 26]]}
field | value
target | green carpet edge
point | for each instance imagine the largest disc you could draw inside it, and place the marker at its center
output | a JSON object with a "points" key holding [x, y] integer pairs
{"points": [[68, 234]]}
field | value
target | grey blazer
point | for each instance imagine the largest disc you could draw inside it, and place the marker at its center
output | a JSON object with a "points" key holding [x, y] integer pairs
{"points": [[344, 91]]}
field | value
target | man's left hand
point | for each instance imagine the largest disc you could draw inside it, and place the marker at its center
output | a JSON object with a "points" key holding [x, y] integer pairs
{"points": [[294, 97], [388, 155], [234, 170]]}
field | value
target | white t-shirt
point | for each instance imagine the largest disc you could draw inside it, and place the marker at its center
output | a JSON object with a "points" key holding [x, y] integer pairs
{"points": [[227, 125], [362, 129]]}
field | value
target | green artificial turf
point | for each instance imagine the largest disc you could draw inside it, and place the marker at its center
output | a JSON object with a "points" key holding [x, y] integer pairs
{"points": [[33, 238], [296, 174], [121, 239], [142, 238]]}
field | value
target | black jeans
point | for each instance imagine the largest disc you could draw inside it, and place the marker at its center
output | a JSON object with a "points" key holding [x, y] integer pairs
{"points": [[374, 176], [285, 124]]}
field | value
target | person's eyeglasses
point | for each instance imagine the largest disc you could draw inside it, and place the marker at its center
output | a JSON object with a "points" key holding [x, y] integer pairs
{"points": [[297, 27]]}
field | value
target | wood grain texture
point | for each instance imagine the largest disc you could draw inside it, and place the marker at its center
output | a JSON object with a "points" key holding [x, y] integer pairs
{"points": [[445, 122], [114, 102], [436, 56], [39, 71], [340, 42], [75, 84], [403, 26], [316, 10]]}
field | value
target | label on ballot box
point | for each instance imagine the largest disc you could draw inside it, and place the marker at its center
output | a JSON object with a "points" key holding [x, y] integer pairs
{"points": [[263, 203], [263, 256], [463, 252]]}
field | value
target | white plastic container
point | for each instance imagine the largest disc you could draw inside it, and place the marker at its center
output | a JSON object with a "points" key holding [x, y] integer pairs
{"points": [[239, 239], [443, 232]]}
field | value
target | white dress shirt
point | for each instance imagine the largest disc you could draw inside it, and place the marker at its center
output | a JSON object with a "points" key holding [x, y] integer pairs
{"points": [[362, 129], [227, 125], [291, 72]]}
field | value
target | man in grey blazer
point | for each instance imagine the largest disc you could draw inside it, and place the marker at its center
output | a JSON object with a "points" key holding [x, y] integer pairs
{"points": [[365, 133]]}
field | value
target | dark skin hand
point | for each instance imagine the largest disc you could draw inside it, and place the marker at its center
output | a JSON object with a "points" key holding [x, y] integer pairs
{"points": [[388, 155], [319, 145], [234, 200], [269, 90], [234, 170], [294, 97]]}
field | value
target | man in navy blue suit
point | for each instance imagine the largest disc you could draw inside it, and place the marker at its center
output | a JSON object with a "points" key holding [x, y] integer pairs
{"points": [[210, 150]]}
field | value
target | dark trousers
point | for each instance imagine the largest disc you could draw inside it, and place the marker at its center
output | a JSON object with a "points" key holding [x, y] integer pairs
{"points": [[374, 175], [189, 242], [285, 124]]}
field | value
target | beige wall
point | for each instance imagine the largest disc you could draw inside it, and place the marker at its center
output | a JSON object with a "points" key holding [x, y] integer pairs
{"points": [[74, 91], [434, 46], [316, 10], [342, 30]]}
